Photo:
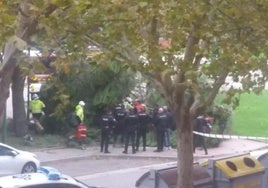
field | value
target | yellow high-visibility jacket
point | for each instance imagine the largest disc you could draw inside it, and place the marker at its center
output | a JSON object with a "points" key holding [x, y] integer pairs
{"points": [[36, 106], [79, 111]]}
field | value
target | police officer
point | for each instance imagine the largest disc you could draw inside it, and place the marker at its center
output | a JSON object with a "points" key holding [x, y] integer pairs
{"points": [[160, 122], [168, 128], [199, 140], [119, 115], [144, 121], [107, 123], [131, 123]]}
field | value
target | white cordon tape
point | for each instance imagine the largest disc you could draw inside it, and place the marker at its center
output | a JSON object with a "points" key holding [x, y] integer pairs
{"points": [[225, 136]]}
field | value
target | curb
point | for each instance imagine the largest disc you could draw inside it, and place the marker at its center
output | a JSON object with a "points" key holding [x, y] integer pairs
{"points": [[120, 156], [196, 157], [106, 156]]}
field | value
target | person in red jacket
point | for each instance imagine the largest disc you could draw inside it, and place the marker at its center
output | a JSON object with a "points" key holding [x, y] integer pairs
{"points": [[138, 105]]}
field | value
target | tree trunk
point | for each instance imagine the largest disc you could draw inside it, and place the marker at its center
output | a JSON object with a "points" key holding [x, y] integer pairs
{"points": [[6, 73], [180, 103], [184, 150], [26, 28], [19, 114]]}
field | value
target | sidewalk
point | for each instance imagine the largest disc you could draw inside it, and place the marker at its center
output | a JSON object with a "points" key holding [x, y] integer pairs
{"points": [[227, 148]]}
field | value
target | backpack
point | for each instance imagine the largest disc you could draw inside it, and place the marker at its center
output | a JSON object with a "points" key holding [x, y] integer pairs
{"points": [[72, 120]]}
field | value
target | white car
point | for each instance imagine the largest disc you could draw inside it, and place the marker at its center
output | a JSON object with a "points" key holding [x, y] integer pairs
{"points": [[15, 161], [45, 177]]}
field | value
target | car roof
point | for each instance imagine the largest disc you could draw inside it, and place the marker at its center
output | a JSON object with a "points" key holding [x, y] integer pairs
{"points": [[30, 179], [20, 180]]}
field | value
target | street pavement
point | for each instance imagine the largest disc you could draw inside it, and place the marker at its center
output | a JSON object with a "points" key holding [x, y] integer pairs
{"points": [[228, 147], [129, 176]]}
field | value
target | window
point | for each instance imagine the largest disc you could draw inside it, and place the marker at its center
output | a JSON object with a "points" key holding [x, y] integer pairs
{"points": [[4, 151]]}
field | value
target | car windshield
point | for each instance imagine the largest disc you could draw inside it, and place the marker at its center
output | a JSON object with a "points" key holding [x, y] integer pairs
{"points": [[4, 151]]}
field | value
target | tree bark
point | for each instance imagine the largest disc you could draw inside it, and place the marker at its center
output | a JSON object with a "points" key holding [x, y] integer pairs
{"points": [[19, 113], [184, 150], [27, 27], [9, 64], [6, 73]]}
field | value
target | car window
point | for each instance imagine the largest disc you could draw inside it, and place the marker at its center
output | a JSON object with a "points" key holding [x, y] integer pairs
{"points": [[4, 151], [52, 185]]}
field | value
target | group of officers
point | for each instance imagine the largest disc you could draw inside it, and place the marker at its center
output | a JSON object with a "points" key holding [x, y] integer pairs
{"points": [[132, 123]]}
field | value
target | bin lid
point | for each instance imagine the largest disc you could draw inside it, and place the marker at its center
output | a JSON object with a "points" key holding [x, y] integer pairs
{"points": [[239, 166], [169, 177], [200, 176]]}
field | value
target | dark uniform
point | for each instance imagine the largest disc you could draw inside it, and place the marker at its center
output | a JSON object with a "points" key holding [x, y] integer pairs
{"points": [[119, 115], [199, 140], [107, 123], [168, 129], [160, 122], [144, 121], [131, 123]]}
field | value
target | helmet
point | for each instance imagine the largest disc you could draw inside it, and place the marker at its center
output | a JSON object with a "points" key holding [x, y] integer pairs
{"points": [[35, 96], [82, 103], [128, 99], [160, 110]]}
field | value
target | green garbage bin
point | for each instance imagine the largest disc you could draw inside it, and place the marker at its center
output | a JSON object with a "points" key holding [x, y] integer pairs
{"points": [[238, 172], [167, 178]]}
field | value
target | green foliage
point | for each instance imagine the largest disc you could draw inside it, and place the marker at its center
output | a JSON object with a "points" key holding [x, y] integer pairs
{"points": [[154, 98], [99, 86], [123, 31], [227, 33], [8, 20]]}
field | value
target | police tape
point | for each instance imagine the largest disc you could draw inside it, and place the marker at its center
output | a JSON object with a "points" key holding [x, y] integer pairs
{"points": [[225, 136]]}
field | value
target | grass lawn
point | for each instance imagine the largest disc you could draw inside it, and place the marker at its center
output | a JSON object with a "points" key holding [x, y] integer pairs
{"points": [[39, 142], [250, 118]]}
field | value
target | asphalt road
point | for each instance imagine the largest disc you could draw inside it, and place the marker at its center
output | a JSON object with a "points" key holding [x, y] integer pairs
{"points": [[110, 172]]}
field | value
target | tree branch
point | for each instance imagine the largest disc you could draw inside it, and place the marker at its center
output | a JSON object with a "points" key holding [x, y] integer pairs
{"points": [[216, 86]]}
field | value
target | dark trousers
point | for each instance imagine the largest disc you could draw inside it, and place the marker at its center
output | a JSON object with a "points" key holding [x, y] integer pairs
{"points": [[105, 140], [37, 116], [141, 134], [118, 133], [160, 135], [130, 135], [199, 141]]}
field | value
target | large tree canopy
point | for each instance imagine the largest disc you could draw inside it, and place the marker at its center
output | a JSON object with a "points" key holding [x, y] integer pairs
{"points": [[211, 38]]}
